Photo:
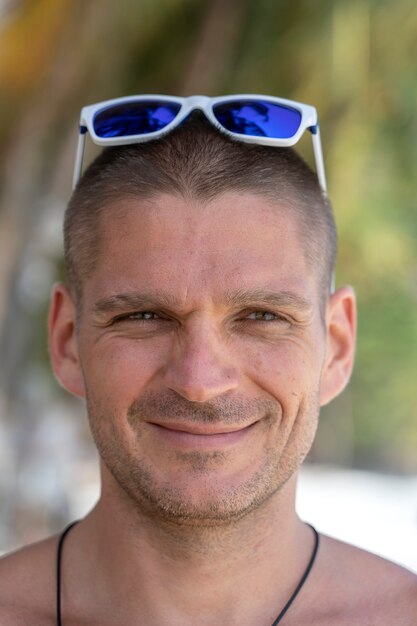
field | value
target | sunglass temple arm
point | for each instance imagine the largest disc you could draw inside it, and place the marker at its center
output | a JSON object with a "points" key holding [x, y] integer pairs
{"points": [[79, 156], [318, 154]]}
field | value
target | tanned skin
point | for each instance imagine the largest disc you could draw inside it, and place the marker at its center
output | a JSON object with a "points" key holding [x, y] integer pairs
{"points": [[204, 352]]}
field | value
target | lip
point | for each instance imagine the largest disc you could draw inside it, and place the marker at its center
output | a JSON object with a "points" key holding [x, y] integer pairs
{"points": [[201, 435]]}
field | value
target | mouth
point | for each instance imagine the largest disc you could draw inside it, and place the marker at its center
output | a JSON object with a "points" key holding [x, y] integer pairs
{"points": [[201, 435]]}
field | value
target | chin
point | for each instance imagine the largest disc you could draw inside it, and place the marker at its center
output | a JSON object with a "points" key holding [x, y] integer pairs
{"points": [[207, 499], [204, 510]]}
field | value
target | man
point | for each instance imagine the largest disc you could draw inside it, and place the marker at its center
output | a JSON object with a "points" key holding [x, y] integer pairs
{"points": [[199, 325]]}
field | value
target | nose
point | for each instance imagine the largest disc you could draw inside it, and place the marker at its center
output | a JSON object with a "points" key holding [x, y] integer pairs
{"points": [[200, 367]]}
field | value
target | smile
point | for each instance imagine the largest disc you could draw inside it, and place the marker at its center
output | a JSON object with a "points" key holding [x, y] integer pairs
{"points": [[201, 435]]}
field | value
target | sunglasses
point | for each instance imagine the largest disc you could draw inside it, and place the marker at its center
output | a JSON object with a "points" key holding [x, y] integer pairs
{"points": [[263, 120]]}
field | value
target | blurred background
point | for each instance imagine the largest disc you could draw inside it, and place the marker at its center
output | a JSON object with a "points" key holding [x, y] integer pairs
{"points": [[355, 60]]}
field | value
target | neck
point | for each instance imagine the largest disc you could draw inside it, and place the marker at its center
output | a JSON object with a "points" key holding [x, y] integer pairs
{"points": [[244, 570]]}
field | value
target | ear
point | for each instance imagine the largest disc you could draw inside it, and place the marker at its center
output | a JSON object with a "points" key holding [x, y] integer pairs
{"points": [[341, 338], [63, 341]]}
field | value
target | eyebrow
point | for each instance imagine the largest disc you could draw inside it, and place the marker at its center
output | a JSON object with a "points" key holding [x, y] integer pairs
{"points": [[275, 298], [240, 297], [134, 300]]}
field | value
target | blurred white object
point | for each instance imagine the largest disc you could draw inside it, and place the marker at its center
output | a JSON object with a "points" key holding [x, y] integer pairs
{"points": [[373, 511]]}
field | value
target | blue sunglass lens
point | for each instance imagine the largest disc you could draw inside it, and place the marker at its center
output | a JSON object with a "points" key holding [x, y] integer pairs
{"points": [[134, 118], [258, 118]]}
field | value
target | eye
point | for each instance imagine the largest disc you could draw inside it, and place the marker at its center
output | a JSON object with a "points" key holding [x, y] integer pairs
{"points": [[141, 323], [142, 316], [266, 316], [137, 316]]}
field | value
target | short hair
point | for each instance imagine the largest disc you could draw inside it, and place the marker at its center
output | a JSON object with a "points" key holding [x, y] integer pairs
{"points": [[196, 160]]}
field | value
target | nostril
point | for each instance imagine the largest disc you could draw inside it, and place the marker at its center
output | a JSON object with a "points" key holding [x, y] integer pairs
{"points": [[202, 383], [198, 392]]}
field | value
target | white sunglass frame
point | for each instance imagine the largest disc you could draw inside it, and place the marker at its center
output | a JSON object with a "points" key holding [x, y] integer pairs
{"points": [[309, 120]]}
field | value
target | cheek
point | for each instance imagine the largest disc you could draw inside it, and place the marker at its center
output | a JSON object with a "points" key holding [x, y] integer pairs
{"points": [[116, 370], [289, 372]]}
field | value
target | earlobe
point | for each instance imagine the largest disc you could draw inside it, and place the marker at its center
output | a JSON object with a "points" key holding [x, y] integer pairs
{"points": [[63, 342], [341, 338]]}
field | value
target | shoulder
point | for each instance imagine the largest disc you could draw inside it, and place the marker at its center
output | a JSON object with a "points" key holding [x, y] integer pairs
{"points": [[27, 585], [366, 588]]}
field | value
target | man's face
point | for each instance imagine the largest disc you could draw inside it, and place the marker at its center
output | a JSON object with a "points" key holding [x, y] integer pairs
{"points": [[202, 347]]}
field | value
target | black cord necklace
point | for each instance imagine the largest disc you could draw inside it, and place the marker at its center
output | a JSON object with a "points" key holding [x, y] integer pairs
{"points": [[274, 623], [58, 571], [303, 578]]}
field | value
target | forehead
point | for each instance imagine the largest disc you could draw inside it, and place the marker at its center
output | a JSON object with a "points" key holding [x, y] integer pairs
{"points": [[189, 246]]}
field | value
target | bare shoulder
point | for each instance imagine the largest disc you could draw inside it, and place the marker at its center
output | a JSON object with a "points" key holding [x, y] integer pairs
{"points": [[366, 588], [27, 585]]}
